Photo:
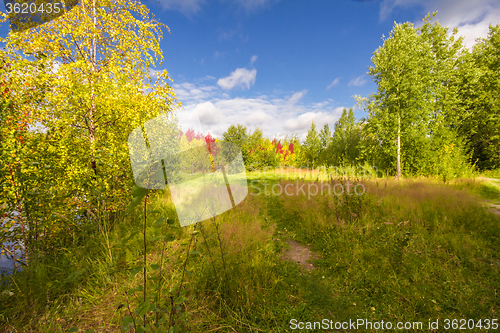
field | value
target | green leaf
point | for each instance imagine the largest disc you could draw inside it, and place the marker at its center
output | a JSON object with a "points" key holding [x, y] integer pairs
{"points": [[170, 238], [133, 290], [160, 221], [146, 328], [154, 267], [134, 203], [156, 238], [153, 212], [139, 192], [194, 253], [143, 308], [136, 270], [73, 329], [181, 299], [126, 321], [130, 236]]}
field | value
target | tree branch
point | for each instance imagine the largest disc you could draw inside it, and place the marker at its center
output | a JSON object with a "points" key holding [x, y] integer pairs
{"points": [[13, 255]]}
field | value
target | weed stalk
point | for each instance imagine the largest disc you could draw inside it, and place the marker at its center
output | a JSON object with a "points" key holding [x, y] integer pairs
{"points": [[220, 243], [182, 278], [160, 277], [145, 249], [208, 247]]}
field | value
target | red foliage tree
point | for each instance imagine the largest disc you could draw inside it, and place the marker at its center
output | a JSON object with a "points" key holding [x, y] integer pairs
{"points": [[209, 139], [190, 134], [279, 148]]}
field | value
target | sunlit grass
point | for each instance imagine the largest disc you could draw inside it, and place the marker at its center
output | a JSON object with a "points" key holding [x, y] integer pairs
{"points": [[408, 250]]}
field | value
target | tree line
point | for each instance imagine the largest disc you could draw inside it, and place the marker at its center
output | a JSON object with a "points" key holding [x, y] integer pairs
{"points": [[436, 110], [436, 107]]}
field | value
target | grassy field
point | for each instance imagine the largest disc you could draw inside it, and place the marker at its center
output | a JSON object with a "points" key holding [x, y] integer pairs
{"points": [[405, 251]]}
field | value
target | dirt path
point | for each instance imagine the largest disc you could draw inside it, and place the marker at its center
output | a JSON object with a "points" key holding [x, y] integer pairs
{"points": [[494, 207], [489, 180], [300, 254]]}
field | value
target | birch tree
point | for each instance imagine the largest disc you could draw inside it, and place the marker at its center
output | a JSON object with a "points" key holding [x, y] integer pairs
{"points": [[97, 59], [415, 115], [401, 69]]}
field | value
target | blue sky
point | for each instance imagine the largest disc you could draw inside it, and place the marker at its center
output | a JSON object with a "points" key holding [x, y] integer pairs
{"points": [[279, 65]]}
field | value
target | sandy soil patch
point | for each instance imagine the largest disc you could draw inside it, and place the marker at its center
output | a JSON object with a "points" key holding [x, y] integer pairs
{"points": [[300, 254], [495, 209]]}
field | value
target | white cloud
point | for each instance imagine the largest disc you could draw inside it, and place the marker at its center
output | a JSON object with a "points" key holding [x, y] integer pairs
{"points": [[186, 7], [334, 83], [227, 35], [357, 82], [471, 17], [297, 97], [252, 5], [244, 38], [203, 79], [320, 105], [154, 73], [387, 7], [258, 118], [276, 114], [253, 59], [303, 122], [241, 77], [189, 92], [208, 113], [218, 54]]}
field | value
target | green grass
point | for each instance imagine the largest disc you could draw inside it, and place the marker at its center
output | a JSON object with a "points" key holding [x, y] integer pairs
{"points": [[490, 191], [492, 173], [425, 251], [408, 250]]}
